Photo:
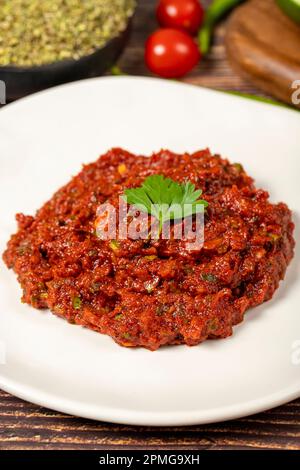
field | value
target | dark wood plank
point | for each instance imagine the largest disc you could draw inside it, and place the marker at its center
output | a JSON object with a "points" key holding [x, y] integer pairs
{"points": [[27, 426]]}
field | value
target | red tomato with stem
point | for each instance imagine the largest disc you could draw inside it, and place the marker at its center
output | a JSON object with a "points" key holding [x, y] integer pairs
{"points": [[171, 53], [180, 14]]}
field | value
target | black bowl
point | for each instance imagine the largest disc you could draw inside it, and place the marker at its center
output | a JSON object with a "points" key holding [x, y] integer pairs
{"points": [[22, 81]]}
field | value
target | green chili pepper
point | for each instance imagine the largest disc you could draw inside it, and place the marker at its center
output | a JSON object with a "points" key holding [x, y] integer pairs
{"points": [[35, 32], [238, 167], [290, 8], [76, 302], [114, 245], [119, 316], [209, 277], [213, 14]]}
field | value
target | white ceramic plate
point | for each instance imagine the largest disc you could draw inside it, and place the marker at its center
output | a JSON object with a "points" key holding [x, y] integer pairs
{"points": [[43, 141]]}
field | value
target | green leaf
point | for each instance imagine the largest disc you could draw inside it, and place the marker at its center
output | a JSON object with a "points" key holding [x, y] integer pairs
{"points": [[165, 199]]}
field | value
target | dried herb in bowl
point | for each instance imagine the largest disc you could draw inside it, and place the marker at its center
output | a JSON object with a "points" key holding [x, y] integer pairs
{"points": [[34, 32]]}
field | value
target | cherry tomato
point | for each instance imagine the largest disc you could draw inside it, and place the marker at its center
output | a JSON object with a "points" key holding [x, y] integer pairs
{"points": [[180, 14], [171, 53]]}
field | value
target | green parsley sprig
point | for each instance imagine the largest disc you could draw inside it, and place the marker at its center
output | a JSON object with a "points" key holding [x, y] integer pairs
{"points": [[165, 199]]}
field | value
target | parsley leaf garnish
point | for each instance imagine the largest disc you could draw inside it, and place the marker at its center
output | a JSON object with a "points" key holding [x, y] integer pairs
{"points": [[165, 199]]}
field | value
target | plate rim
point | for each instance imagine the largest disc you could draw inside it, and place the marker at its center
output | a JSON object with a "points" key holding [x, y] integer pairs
{"points": [[146, 418]]}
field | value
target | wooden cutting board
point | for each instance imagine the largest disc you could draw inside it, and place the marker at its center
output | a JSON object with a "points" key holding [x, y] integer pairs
{"points": [[263, 44]]}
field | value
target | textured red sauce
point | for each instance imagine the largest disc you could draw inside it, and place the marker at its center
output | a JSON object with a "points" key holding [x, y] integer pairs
{"points": [[154, 293]]}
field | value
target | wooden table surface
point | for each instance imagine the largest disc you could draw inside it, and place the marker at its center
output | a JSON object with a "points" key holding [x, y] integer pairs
{"points": [[27, 426], [213, 72]]}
